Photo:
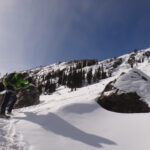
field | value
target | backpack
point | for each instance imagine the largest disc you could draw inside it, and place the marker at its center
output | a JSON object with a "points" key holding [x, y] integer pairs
{"points": [[9, 79]]}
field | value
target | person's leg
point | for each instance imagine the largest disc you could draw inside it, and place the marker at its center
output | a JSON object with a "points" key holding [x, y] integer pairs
{"points": [[5, 102], [12, 103]]}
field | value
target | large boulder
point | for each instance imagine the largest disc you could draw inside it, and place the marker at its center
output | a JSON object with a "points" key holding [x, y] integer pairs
{"points": [[28, 97], [129, 93]]}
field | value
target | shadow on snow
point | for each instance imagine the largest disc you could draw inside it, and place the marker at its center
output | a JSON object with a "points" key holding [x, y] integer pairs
{"points": [[57, 125], [80, 108]]}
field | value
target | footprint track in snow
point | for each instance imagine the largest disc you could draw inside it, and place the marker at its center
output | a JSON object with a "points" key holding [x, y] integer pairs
{"points": [[10, 139]]}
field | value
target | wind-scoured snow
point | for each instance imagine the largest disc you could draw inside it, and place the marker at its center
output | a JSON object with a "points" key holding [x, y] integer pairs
{"points": [[68, 120]]}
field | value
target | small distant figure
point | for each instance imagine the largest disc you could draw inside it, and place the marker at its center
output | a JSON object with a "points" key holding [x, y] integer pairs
{"points": [[12, 83]]}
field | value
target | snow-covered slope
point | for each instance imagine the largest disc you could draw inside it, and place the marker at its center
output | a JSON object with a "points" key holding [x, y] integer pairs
{"points": [[73, 120], [68, 120], [60, 73], [140, 59]]}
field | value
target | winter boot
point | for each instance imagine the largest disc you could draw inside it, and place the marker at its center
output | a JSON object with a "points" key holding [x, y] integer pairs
{"points": [[4, 116], [9, 113]]}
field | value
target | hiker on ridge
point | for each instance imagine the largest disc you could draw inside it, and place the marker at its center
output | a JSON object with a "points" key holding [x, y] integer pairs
{"points": [[12, 83]]}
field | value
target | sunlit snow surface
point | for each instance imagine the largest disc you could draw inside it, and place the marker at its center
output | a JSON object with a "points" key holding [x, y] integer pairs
{"points": [[74, 121]]}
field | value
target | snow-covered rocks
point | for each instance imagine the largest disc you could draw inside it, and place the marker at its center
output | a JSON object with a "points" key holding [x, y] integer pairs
{"points": [[129, 93]]}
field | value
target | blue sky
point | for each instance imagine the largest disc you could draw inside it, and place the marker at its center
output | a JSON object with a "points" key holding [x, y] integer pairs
{"points": [[42, 32]]}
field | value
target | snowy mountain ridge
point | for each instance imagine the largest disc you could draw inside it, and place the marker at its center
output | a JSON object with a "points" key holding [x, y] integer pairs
{"points": [[138, 57], [85, 72]]}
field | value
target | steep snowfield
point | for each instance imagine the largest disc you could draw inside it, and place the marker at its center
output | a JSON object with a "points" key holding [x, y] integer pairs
{"points": [[74, 121]]}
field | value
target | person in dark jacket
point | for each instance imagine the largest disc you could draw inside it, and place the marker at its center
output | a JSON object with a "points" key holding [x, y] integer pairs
{"points": [[12, 83]]}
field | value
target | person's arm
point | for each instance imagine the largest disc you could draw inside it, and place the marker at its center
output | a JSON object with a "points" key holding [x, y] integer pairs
{"points": [[25, 84]]}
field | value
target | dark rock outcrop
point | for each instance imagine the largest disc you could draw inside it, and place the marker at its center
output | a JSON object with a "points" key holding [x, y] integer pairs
{"points": [[131, 59], [117, 62], [125, 103], [147, 53], [28, 97]]}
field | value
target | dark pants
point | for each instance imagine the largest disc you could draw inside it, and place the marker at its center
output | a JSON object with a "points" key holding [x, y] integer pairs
{"points": [[9, 100]]}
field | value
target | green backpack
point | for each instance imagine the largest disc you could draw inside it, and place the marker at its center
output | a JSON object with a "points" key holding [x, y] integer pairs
{"points": [[9, 79]]}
